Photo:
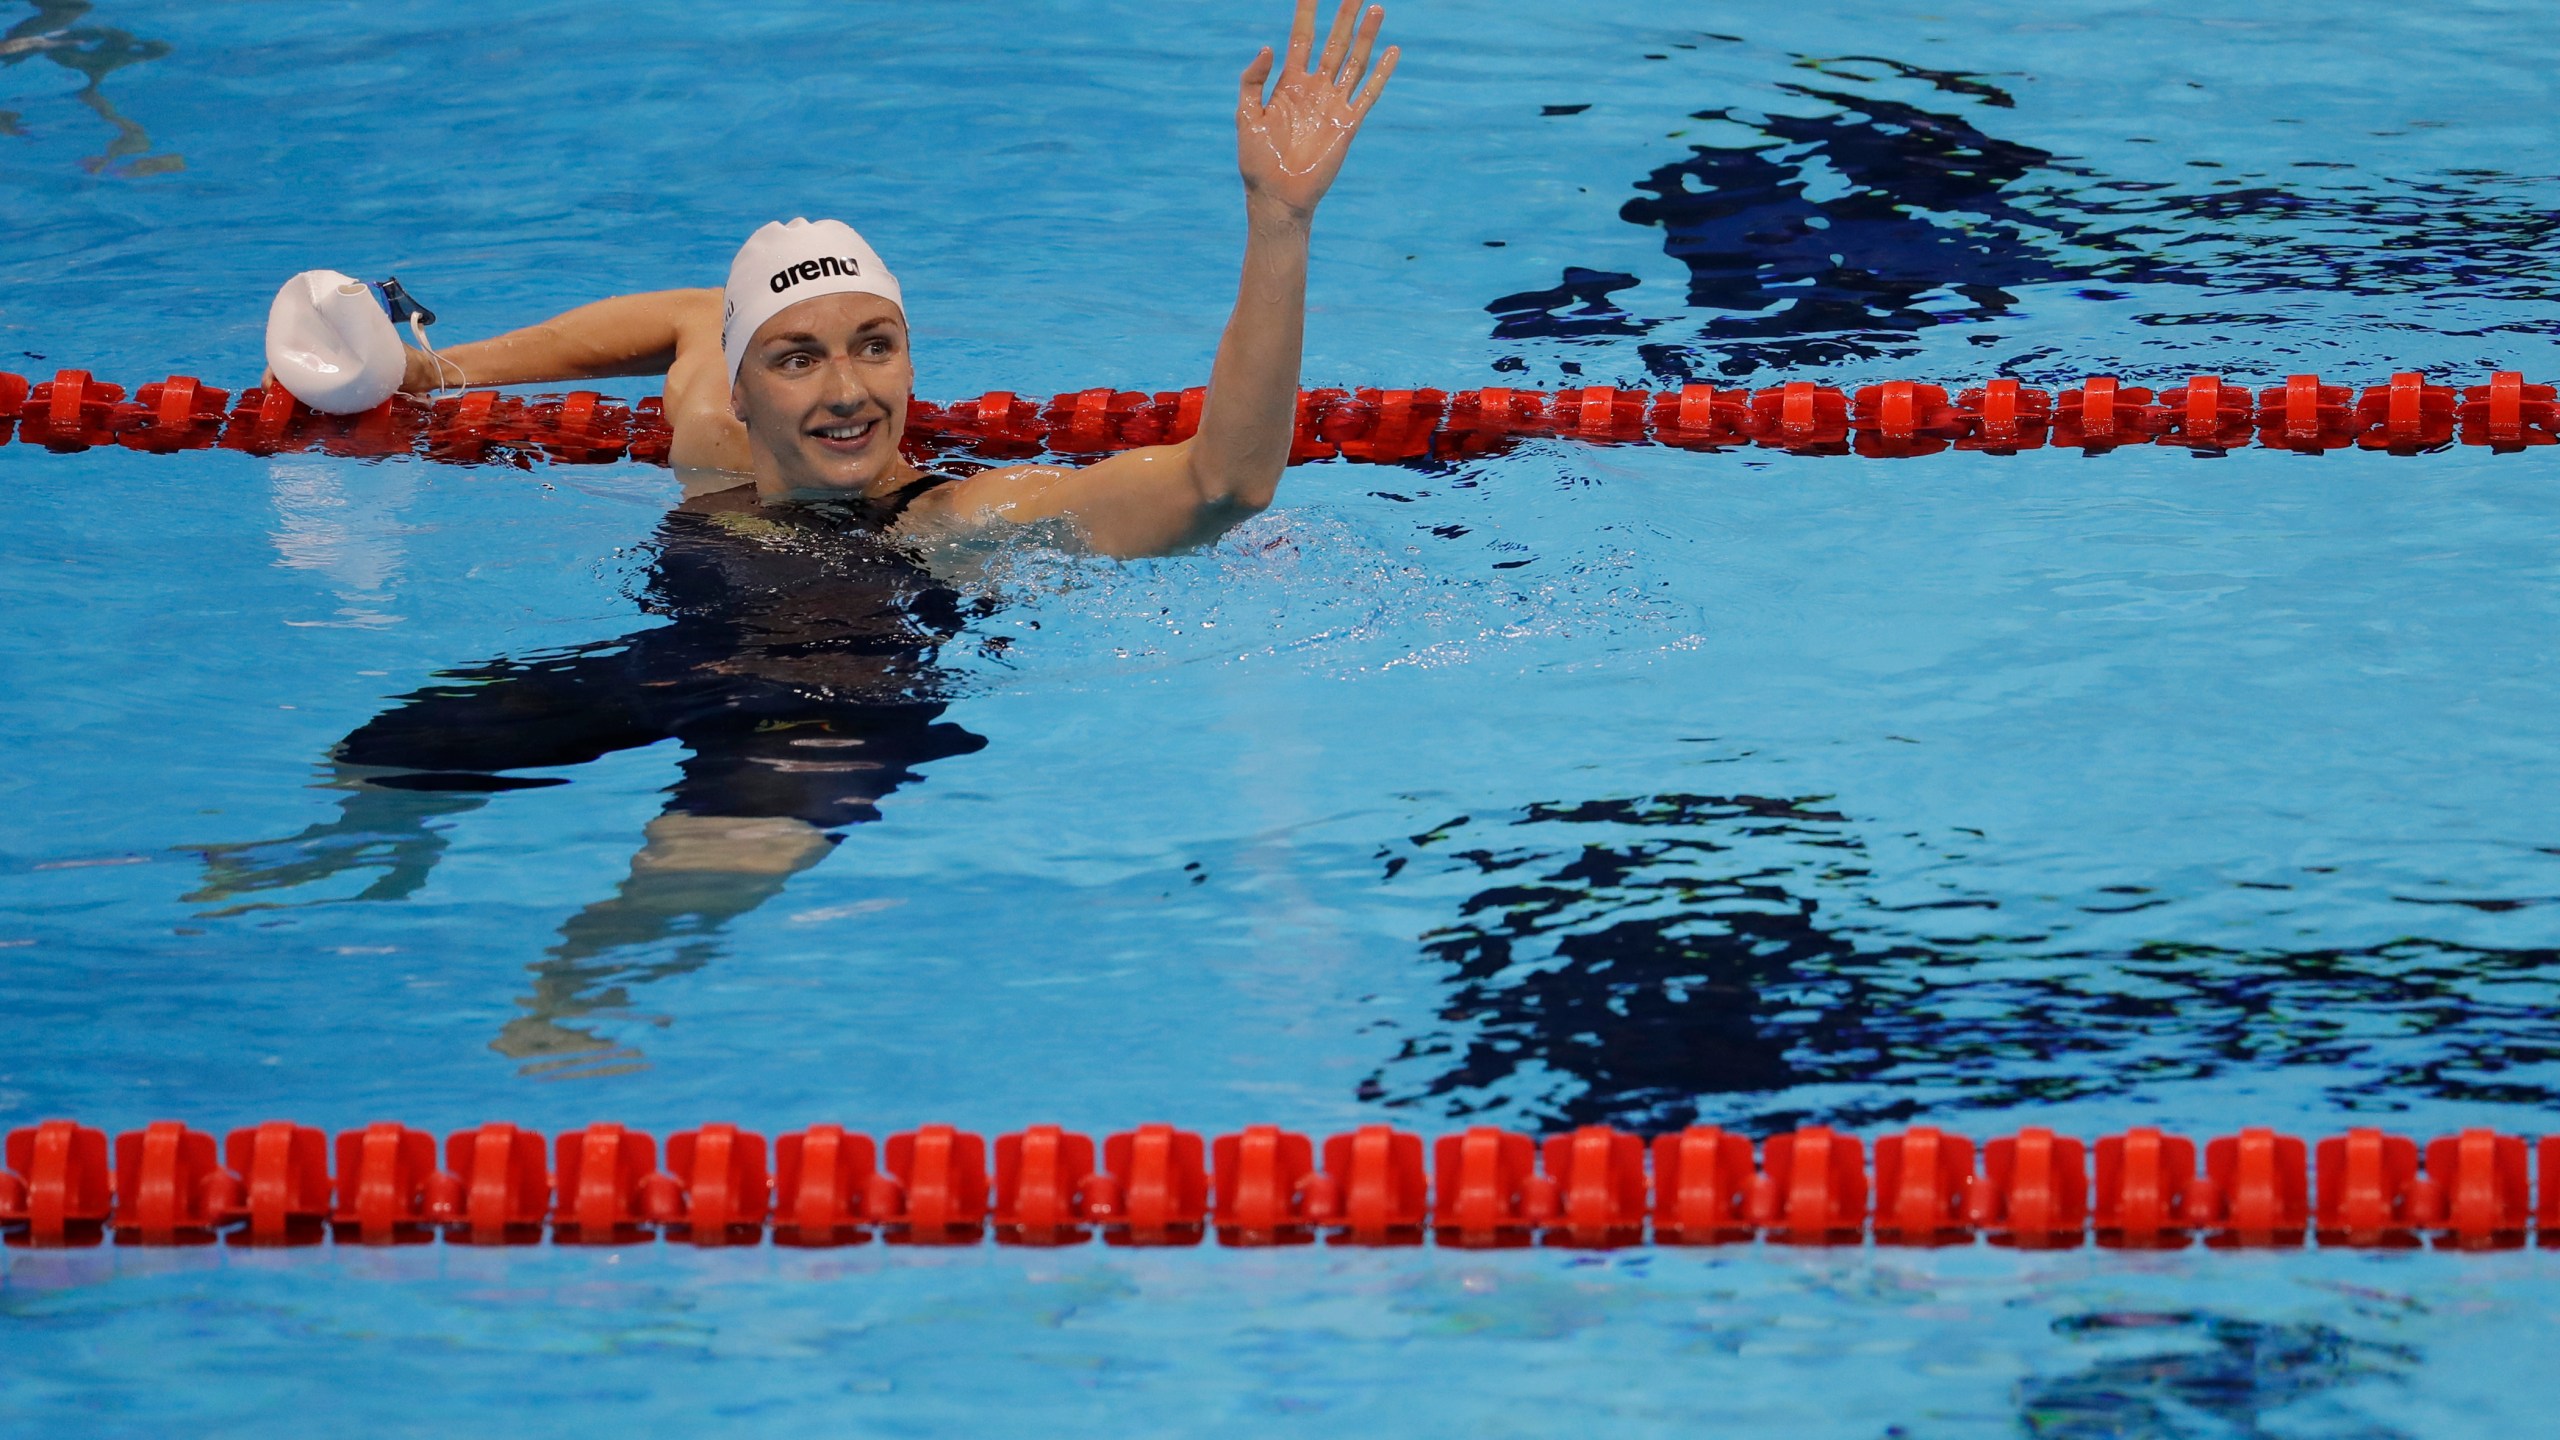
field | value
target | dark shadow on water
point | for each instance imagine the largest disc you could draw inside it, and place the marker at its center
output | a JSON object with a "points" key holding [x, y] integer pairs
{"points": [[1837, 236], [54, 33], [1674, 959], [2209, 1377]]}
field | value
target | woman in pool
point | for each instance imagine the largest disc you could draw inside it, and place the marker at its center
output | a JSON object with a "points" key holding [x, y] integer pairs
{"points": [[798, 378], [794, 654]]}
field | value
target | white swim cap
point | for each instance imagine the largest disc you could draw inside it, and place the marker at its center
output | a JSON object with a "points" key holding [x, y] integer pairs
{"points": [[782, 265], [330, 342]]}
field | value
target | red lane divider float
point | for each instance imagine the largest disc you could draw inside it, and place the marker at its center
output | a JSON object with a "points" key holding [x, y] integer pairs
{"points": [[1592, 1188], [2409, 415]]}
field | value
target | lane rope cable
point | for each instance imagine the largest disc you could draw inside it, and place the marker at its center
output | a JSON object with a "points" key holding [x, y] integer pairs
{"points": [[2408, 415], [1484, 1187]]}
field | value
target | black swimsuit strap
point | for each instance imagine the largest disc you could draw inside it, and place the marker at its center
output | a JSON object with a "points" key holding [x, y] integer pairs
{"points": [[896, 505]]}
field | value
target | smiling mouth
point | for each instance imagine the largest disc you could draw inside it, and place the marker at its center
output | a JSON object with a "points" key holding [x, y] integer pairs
{"points": [[844, 438]]}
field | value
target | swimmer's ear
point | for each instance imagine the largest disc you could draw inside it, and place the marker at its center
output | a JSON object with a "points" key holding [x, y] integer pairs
{"points": [[738, 402]]}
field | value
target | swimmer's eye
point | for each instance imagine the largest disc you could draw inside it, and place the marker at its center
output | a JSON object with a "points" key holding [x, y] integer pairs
{"points": [[879, 347]]}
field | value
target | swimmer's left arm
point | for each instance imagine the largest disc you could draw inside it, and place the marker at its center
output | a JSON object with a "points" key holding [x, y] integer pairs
{"points": [[1289, 148], [626, 335]]}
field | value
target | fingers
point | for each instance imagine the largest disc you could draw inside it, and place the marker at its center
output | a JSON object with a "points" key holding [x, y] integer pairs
{"points": [[1368, 36], [1335, 39], [1302, 34], [1377, 83], [1249, 85]]}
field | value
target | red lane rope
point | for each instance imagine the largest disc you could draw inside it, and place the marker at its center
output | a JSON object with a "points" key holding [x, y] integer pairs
{"points": [[1595, 1187], [2409, 415]]}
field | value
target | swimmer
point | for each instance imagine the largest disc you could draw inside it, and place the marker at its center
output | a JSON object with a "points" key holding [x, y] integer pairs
{"points": [[794, 647], [797, 377]]}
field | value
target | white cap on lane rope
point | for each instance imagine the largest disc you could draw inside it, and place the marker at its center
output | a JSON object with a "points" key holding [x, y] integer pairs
{"points": [[784, 264], [330, 342]]}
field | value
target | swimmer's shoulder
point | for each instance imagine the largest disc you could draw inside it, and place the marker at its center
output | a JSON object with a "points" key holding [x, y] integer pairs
{"points": [[957, 499], [707, 437], [696, 316], [697, 313]]}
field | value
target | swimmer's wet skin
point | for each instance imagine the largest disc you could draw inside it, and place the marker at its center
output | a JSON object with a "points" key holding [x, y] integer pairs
{"points": [[811, 402]]}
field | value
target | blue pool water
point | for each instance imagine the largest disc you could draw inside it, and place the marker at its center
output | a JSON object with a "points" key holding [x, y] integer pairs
{"points": [[1623, 785]]}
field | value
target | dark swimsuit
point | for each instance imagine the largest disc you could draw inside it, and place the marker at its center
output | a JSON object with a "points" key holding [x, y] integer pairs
{"points": [[797, 666]]}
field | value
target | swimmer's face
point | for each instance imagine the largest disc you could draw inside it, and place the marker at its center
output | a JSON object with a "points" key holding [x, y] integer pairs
{"points": [[823, 393]]}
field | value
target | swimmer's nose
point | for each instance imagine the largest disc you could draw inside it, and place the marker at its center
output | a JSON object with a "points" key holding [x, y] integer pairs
{"points": [[846, 394]]}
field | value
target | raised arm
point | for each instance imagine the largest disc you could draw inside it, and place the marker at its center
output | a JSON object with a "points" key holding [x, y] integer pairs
{"points": [[627, 335], [1289, 146]]}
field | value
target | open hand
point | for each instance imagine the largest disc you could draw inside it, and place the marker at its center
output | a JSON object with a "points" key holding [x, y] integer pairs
{"points": [[1291, 145]]}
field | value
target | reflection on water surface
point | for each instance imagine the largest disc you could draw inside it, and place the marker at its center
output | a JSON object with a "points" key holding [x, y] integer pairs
{"points": [[1672, 959], [1835, 235], [2201, 1375], [54, 33]]}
